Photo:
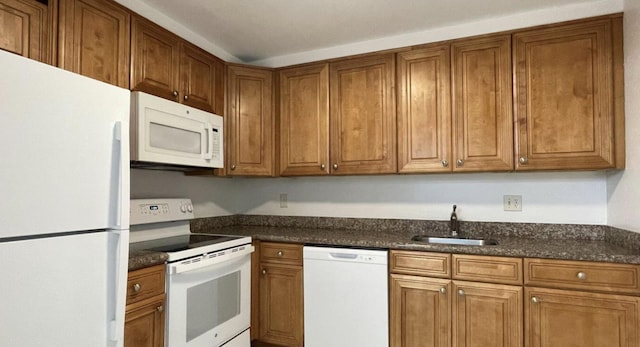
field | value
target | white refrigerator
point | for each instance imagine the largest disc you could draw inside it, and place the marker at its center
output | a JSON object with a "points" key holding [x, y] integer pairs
{"points": [[64, 207]]}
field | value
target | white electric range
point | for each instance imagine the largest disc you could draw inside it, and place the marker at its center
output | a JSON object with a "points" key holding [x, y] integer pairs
{"points": [[208, 275]]}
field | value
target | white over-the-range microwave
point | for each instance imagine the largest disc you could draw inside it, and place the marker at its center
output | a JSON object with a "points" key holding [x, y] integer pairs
{"points": [[167, 134]]}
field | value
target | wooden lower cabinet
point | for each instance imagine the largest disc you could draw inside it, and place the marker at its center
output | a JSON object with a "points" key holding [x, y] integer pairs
{"points": [[568, 318], [145, 311], [281, 300]]}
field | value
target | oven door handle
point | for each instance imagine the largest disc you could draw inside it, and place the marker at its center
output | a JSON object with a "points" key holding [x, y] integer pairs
{"points": [[181, 267]]}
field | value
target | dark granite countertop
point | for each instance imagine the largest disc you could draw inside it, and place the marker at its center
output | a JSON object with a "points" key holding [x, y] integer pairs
{"points": [[142, 259]]}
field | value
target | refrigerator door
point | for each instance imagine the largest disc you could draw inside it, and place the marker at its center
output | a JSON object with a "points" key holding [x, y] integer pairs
{"points": [[64, 146], [60, 291]]}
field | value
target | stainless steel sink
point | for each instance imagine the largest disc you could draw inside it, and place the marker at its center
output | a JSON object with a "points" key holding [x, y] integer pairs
{"points": [[454, 241]]}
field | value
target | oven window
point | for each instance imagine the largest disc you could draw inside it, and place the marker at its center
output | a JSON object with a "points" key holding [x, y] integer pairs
{"points": [[174, 139], [212, 303]]}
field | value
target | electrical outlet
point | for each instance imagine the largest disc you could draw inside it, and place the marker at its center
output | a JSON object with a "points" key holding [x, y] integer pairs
{"points": [[512, 202], [284, 200]]}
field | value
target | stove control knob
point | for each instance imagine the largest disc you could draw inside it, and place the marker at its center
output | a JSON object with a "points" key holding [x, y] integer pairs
{"points": [[190, 208], [183, 208]]}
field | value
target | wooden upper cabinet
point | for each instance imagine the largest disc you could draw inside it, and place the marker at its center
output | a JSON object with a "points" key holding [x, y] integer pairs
{"points": [[28, 27], [94, 40], [155, 57], [565, 83], [363, 117], [424, 110], [197, 75], [250, 122], [482, 104], [304, 120]]}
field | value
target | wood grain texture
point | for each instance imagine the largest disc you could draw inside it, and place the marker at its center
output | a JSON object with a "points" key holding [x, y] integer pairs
{"points": [[487, 315], [197, 77], [363, 117], [564, 96], [420, 263], [95, 40], [304, 120], [424, 110], [151, 281], [283, 253], [250, 121], [27, 28], [144, 323], [573, 318], [420, 314], [482, 104], [155, 58], [506, 270]]}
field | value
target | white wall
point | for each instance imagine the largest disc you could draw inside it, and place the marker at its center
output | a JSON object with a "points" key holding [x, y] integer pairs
{"points": [[623, 188]]}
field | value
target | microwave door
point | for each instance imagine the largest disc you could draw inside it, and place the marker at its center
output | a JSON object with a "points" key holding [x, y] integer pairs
{"points": [[174, 139]]}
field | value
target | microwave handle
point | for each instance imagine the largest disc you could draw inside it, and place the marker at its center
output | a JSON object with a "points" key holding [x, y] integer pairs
{"points": [[209, 153]]}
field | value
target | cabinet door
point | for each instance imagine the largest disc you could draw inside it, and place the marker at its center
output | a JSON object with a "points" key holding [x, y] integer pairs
{"points": [[487, 315], [144, 323], [94, 40], [304, 120], [26, 28], [197, 75], [281, 315], [564, 102], [250, 144], [363, 117], [424, 111], [482, 104], [420, 312], [154, 59], [562, 318]]}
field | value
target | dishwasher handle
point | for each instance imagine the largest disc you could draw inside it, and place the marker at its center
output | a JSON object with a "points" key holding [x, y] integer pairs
{"points": [[351, 256]]}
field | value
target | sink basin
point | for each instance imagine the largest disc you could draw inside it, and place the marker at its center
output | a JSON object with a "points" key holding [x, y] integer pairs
{"points": [[454, 241]]}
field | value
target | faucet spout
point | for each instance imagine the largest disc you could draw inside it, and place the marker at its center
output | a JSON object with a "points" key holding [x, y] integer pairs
{"points": [[453, 222]]}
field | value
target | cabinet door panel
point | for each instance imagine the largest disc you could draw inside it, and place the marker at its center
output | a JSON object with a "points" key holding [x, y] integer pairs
{"points": [[144, 324], [250, 120], [420, 312], [304, 120], [154, 59], [564, 105], [487, 315], [363, 119], [424, 111], [24, 28], [482, 104], [561, 318], [198, 77], [94, 41], [281, 305]]}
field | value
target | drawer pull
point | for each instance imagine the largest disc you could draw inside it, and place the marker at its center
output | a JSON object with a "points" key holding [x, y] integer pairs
{"points": [[137, 287], [460, 292], [535, 300], [280, 253], [160, 308], [443, 290], [264, 271], [582, 275]]}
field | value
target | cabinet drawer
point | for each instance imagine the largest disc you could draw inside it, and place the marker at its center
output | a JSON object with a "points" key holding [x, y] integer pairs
{"points": [[145, 283], [605, 277], [283, 253], [420, 263], [487, 269]]}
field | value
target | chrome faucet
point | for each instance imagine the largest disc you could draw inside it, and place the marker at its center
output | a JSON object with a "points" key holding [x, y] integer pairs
{"points": [[453, 223]]}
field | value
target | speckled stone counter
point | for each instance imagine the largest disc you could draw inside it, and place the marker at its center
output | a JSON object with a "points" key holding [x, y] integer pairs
{"points": [[142, 259], [554, 241]]}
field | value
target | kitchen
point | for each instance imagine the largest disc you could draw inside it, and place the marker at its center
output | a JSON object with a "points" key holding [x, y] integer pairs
{"points": [[592, 197]]}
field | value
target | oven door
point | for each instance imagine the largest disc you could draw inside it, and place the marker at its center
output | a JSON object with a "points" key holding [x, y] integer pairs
{"points": [[208, 301]]}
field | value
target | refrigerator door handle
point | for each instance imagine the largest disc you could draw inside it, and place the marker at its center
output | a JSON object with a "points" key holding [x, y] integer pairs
{"points": [[120, 286], [117, 137]]}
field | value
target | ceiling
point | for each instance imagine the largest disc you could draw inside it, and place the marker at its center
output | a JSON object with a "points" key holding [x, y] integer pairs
{"points": [[253, 30]]}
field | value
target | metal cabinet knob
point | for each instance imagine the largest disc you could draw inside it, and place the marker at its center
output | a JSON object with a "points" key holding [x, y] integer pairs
{"points": [[137, 287], [186, 97], [443, 290], [233, 167], [445, 163], [280, 253], [175, 93], [322, 166], [535, 300], [582, 275], [160, 308], [335, 166], [523, 160], [461, 292], [460, 162], [264, 271]]}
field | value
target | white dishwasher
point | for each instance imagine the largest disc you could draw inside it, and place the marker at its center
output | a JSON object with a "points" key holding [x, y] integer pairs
{"points": [[345, 297]]}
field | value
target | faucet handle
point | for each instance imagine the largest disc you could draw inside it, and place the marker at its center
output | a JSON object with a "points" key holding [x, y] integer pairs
{"points": [[454, 208]]}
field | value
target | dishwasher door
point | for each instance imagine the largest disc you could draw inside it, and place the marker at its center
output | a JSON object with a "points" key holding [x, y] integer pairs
{"points": [[345, 297]]}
